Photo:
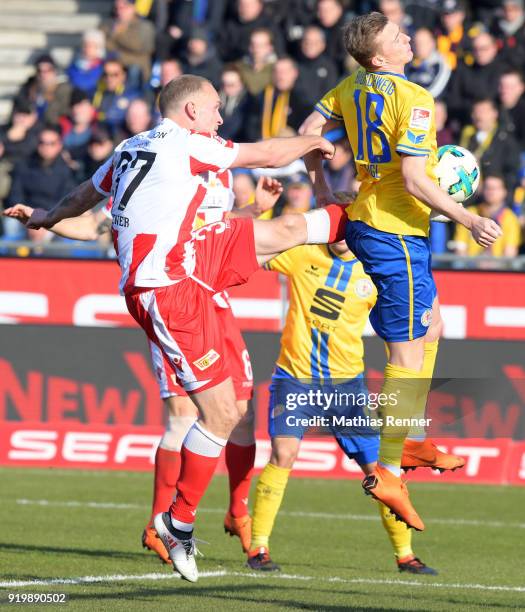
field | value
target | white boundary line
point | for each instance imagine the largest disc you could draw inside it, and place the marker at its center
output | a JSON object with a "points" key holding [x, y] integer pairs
{"points": [[259, 576], [290, 513]]}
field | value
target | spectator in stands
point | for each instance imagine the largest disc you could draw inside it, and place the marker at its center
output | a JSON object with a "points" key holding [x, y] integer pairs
{"points": [[331, 18], [234, 41], [183, 16], [511, 92], [394, 10], [484, 10], [77, 127], [44, 179], [317, 72], [100, 147], [297, 17], [18, 141], [138, 119], [518, 207], [243, 187], [340, 170], [423, 13], [170, 69], [298, 195], [113, 95], [87, 67], [428, 68], [495, 149], [493, 206], [234, 102], [509, 31], [477, 81], [444, 133], [201, 59], [49, 92], [256, 67], [453, 41], [132, 39], [280, 106]]}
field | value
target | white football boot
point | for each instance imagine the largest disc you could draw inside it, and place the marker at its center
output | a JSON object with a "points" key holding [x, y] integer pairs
{"points": [[181, 551]]}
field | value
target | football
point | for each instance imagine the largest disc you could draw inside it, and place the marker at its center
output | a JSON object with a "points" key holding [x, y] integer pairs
{"points": [[457, 172]]}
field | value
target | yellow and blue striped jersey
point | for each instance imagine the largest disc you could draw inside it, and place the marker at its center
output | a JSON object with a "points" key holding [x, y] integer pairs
{"points": [[385, 115], [330, 298]]}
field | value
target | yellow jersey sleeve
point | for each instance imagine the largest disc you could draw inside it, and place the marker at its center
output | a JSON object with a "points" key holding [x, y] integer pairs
{"points": [[415, 135], [329, 106]]}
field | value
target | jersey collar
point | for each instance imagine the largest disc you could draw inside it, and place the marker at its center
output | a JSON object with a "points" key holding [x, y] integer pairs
{"points": [[396, 74]]}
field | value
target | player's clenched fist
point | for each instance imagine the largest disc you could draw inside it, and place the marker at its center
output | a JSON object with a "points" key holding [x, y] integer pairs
{"points": [[327, 148], [485, 231]]}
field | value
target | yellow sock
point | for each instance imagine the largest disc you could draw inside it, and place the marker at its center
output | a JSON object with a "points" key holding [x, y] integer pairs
{"points": [[401, 387], [398, 533], [269, 495], [429, 361]]}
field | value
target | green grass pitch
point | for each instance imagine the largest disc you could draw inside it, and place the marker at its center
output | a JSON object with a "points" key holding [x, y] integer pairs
{"points": [[85, 527]]}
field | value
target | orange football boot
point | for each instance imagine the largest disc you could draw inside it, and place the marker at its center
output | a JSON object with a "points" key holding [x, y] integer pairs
{"points": [[241, 527], [151, 540], [388, 488], [425, 454]]}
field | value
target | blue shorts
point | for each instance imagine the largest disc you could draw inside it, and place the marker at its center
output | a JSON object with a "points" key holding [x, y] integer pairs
{"points": [[400, 267], [288, 413]]}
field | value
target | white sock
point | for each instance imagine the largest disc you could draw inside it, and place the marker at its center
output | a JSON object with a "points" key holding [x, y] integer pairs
{"points": [[202, 442], [317, 226]]}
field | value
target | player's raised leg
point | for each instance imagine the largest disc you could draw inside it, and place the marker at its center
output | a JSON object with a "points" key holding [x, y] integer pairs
{"points": [[321, 226], [363, 448]]}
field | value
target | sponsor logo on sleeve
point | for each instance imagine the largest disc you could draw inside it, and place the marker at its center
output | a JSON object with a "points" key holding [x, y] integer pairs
{"points": [[420, 118]]}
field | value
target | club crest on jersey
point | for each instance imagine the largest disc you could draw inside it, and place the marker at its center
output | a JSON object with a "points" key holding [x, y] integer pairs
{"points": [[426, 317], [364, 287], [420, 118], [207, 360]]}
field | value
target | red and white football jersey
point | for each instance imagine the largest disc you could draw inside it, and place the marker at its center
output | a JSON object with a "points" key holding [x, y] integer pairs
{"points": [[156, 189], [219, 197]]}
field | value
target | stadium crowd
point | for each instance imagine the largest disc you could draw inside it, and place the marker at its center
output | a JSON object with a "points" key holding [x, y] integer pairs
{"points": [[271, 61]]}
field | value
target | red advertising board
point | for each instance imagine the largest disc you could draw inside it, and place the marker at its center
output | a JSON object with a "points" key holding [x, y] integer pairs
{"points": [[483, 305], [498, 461], [85, 293]]}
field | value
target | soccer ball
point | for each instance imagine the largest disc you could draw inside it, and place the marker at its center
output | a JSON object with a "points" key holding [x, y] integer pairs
{"points": [[457, 172]]}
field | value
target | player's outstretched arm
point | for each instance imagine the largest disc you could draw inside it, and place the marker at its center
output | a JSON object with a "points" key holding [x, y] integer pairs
{"points": [[278, 152], [76, 202], [319, 226], [87, 227], [315, 125], [421, 186]]}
